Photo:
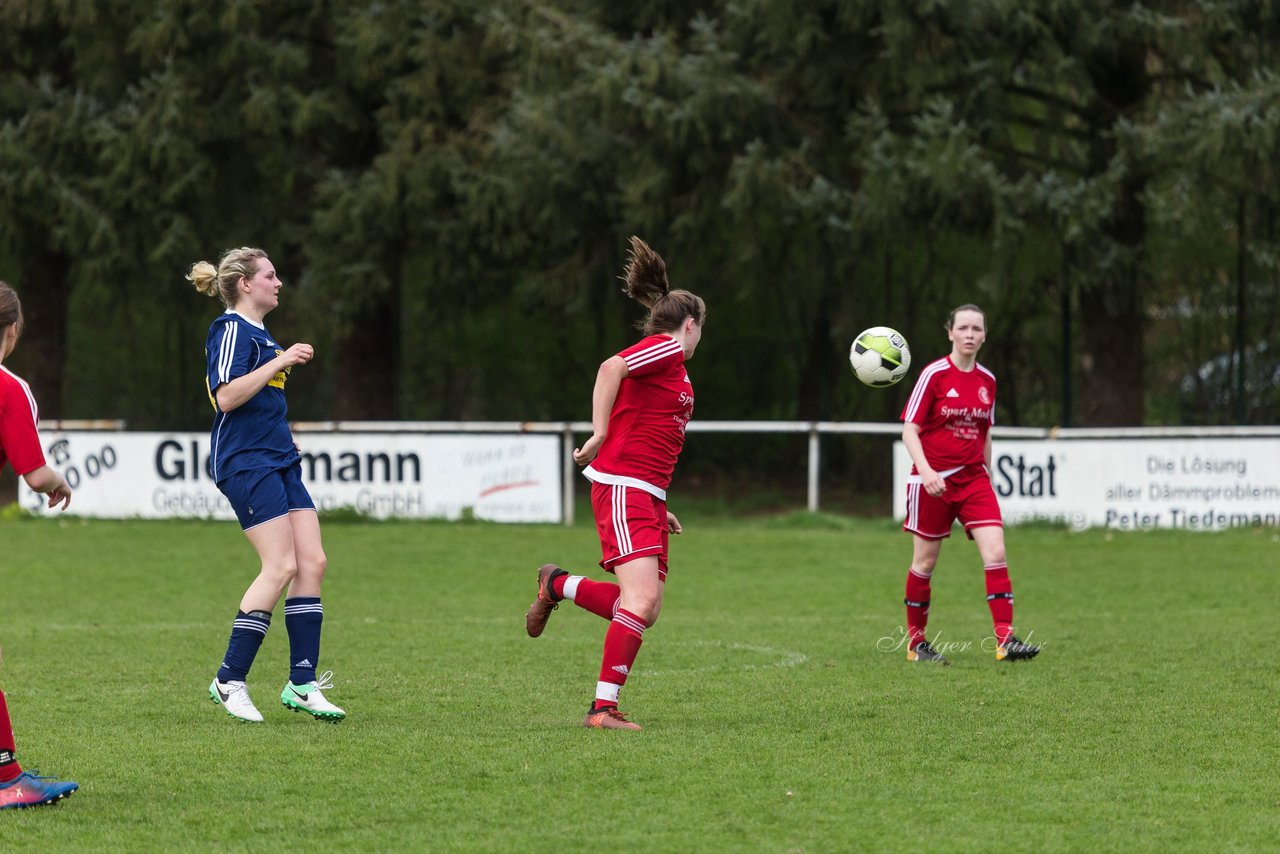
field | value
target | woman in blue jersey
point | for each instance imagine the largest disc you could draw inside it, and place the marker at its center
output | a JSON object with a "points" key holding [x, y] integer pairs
{"points": [[258, 468]]}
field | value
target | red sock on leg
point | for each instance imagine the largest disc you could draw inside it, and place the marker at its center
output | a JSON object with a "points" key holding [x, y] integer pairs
{"points": [[1000, 600], [621, 645], [598, 597], [9, 767], [917, 602]]}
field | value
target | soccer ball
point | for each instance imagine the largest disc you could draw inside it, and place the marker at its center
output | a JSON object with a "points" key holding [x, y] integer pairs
{"points": [[880, 356]]}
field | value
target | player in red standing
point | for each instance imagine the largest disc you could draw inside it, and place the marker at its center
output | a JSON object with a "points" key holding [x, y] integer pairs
{"points": [[639, 408], [20, 445], [947, 430]]}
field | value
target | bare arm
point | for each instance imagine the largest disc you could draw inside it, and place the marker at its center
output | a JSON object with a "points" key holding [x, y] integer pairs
{"points": [[234, 394], [608, 380], [986, 452], [933, 484], [48, 482]]}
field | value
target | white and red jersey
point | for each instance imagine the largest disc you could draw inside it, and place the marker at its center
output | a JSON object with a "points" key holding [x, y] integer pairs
{"points": [[646, 426], [955, 410], [19, 439]]}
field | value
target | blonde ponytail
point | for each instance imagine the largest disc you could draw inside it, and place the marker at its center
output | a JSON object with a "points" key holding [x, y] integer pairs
{"points": [[205, 278], [222, 281]]}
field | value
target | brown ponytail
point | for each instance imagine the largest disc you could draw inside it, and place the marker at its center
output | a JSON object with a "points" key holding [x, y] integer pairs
{"points": [[646, 283]]}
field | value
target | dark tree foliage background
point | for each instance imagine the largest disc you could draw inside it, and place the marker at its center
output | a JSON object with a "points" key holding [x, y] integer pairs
{"points": [[447, 189]]}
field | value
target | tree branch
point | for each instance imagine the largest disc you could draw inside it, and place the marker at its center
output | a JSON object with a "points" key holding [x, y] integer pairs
{"points": [[1047, 97], [1041, 124], [1037, 159]]}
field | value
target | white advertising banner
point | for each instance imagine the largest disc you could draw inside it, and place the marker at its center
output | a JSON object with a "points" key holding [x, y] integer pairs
{"points": [[1130, 484], [497, 477]]}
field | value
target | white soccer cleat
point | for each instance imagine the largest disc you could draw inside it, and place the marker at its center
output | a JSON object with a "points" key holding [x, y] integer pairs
{"points": [[234, 697], [307, 698]]}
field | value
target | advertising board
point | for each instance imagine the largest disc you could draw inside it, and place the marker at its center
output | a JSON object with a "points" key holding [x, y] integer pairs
{"points": [[501, 478], [1130, 484]]}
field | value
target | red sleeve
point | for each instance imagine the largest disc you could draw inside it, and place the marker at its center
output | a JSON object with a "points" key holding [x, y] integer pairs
{"points": [[18, 436], [652, 354], [920, 403]]}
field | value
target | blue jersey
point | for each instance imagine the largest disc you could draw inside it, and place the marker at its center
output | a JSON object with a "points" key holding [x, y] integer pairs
{"points": [[254, 435]]}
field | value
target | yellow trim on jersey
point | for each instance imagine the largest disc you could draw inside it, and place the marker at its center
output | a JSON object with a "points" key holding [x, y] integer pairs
{"points": [[279, 379]]}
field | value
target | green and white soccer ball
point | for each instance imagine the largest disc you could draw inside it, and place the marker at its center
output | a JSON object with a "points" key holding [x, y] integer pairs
{"points": [[880, 356]]}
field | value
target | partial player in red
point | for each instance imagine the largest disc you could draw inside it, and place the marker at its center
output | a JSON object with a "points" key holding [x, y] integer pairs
{"points": [[20, 445], [947, 430], [639, 408]]}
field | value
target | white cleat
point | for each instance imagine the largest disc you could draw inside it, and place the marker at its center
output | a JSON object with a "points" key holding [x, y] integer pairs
{"points": [[307, 698], [234, 697]]}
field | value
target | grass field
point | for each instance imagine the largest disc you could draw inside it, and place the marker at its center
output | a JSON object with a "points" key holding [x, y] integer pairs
{"points": [[773, 722]]}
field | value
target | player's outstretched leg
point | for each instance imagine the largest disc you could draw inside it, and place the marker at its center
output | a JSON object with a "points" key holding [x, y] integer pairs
{"points": [[234, 697], [308, 698], [19, 788], [535, 619]]}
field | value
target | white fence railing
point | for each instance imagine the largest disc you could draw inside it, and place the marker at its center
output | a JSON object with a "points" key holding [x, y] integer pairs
{"points": [[813, 429], [1151, 454]]}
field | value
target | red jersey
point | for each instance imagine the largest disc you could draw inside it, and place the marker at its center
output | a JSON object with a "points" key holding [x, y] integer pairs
{"points": [[955, 410], [19, 441], [646, 426]]}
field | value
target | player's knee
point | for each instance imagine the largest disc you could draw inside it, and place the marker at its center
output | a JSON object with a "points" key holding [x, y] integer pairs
{"points": [[993, 554], [313, 567], [645, 606], [282, 573]]}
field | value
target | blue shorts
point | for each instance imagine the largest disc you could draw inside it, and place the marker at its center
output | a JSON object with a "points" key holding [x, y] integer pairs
{"points": [[261, 495]]}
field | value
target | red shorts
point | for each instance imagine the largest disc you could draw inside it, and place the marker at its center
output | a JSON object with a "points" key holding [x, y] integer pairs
{"points": [[973, 502], [631, 523]]}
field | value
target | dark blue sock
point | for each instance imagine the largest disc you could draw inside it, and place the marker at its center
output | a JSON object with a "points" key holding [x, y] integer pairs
{"points": [[302, 618], [247, 633]]}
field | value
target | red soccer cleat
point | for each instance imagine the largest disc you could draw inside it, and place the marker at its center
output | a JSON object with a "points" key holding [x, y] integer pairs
{"points": [[535, 619], [607, 718]]}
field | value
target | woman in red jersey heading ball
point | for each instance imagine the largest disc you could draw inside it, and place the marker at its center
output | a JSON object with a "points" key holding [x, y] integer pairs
{"points": [[20, 445], [947, 430], [641, 403]]}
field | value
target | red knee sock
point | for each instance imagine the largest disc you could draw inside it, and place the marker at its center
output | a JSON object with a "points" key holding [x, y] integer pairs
{"points": [[1000, 600], [9, 767], [598, 597], [917, 602], [621, 645]]}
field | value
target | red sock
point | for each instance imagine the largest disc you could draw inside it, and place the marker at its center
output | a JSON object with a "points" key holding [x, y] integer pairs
{"points": [[598, 597], [1000, 600], [9, 767], [917, 602], [621, 645]]}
